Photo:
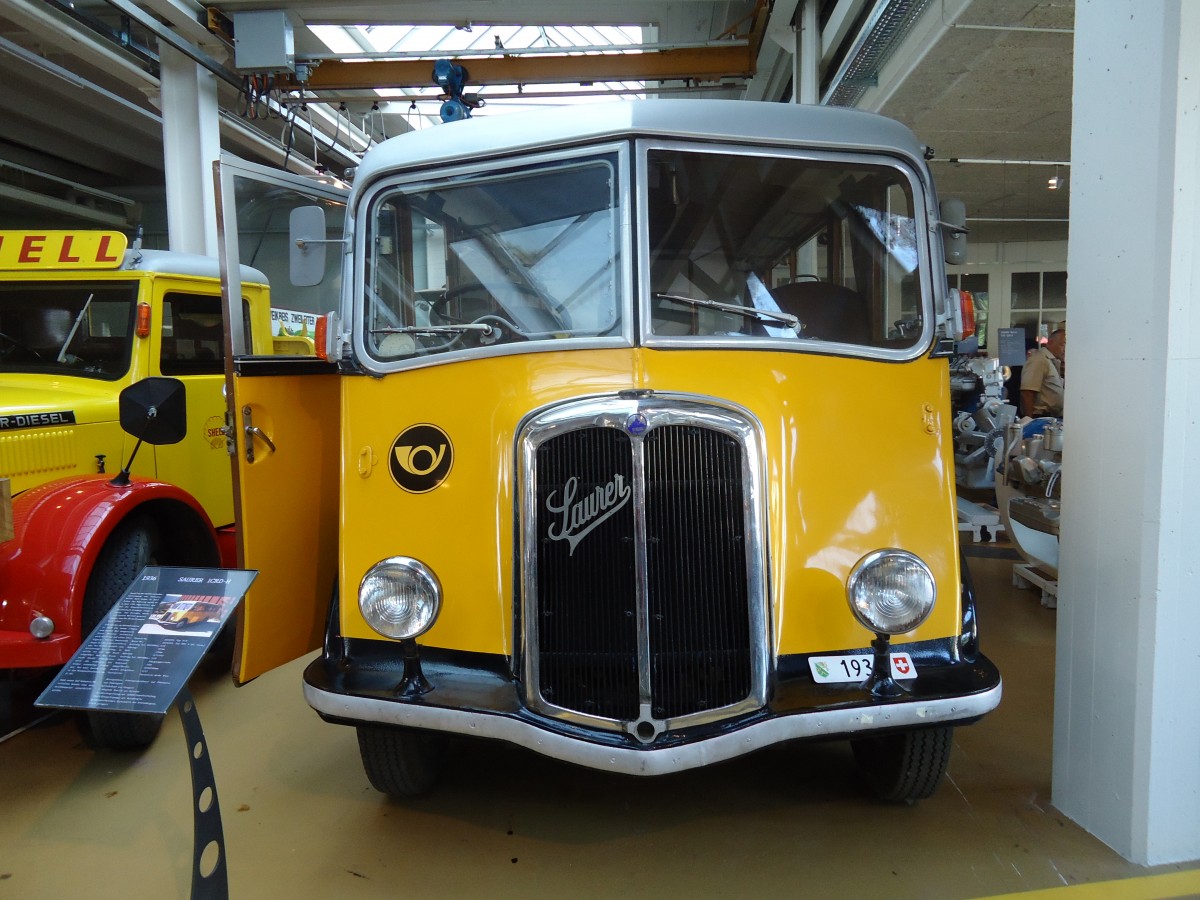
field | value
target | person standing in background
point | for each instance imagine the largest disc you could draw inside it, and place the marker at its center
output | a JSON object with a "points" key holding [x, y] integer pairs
{"points": [[1042, 378]]}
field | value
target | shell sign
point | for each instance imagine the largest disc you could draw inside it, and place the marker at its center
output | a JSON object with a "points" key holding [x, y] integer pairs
{"points": [[62, 249]]}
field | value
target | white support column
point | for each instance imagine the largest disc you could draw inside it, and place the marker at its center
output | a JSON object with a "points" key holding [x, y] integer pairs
{"points": [[807, 78], [191, 142], [1126, 720]]}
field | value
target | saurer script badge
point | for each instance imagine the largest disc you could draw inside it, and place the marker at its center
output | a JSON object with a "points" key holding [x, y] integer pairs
{"points": [[421, 458], [576, 516]]}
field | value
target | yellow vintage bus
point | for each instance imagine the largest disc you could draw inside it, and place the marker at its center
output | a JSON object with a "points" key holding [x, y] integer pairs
{"points": [[631, 445]]}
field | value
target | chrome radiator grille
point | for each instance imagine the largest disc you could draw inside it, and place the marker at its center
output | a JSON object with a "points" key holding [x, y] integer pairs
{"points": [[696, 567], [644, 602]]}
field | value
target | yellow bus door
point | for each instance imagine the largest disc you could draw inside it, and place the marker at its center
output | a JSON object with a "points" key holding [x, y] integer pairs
{"points": [[284, 410]]}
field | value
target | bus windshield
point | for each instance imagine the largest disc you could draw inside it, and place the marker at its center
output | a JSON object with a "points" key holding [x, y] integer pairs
{"points": [[528, 254], [747, 245]]}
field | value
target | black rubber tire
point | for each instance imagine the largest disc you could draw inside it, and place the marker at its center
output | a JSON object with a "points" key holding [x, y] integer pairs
{"points": [[400, 762], [906, 766], [132, 546]]}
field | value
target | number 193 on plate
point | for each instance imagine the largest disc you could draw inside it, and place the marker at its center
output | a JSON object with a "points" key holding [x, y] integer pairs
{"points": [[852, 669]]}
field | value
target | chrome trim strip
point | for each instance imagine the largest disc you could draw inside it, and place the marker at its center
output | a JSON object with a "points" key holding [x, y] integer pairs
{"points": [[642, 593], [628, 761]]}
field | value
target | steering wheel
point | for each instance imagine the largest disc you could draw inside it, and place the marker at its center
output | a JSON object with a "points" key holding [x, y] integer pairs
{"points": [[10, 344]]}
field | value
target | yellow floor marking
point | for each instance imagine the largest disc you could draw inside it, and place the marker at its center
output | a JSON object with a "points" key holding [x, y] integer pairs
{"points": [[1152, 887]]}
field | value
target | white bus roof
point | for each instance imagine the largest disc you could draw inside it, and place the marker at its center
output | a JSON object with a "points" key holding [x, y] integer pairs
{"points": [[740, 121]]}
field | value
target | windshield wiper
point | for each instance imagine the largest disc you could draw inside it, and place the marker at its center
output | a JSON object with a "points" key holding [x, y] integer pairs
{"points": [[482, 327], [749, 312], [62, 354]]}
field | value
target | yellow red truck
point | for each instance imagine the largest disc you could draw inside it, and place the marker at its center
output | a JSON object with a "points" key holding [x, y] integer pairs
{"points": [[84, 315]]}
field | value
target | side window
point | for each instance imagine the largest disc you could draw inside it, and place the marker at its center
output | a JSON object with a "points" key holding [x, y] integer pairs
{"points": [[192, 341]]}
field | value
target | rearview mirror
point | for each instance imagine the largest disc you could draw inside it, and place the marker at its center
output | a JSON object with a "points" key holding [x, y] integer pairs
{"points": [[306, 245], [154, 410], [954, 230]]}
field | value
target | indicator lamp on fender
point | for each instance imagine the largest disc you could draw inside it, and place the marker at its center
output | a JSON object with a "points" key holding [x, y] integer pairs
{"points": [[890, 592]]}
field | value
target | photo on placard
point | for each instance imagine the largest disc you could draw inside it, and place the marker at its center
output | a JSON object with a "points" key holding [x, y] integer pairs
{"points": [[189, 615]]}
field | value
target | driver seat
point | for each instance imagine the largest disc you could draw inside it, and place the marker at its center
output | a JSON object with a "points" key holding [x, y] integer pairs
{"points": [[829, 312]]}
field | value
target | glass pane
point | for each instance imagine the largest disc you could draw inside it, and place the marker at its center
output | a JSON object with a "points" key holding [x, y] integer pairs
{"points": [[527, 254], [723, 228], [192, 341], [82, 328], [1054, 290], [264, 243], [977, 283], [1053, 319], [1026, 290], [1028, 321]]}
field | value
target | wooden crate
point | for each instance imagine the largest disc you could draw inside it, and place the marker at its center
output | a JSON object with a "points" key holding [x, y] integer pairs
{"points": [[6, 518]]}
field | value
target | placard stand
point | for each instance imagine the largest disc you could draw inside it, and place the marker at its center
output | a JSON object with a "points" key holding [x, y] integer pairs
{"points": [[138, 660], [210, 879]]}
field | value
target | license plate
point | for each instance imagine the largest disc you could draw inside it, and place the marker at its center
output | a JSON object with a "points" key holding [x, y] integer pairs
{"points": [[853, 669]]}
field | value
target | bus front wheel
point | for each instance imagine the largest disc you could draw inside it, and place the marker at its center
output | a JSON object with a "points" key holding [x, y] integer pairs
{"points": [[400, 762]]}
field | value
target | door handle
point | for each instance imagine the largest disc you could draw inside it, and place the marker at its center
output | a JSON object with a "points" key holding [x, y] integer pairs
{"points": [[252, 432]]}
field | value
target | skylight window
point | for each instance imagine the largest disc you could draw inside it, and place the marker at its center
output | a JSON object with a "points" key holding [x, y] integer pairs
{"points": [[415, 108]]}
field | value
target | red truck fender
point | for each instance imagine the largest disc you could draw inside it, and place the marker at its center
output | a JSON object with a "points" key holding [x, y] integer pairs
{"points": [[60, 529]]}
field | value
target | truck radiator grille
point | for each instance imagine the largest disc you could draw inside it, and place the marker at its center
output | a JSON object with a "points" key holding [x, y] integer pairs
{"points": [[642, 564], [696, 563], [587, 584]]}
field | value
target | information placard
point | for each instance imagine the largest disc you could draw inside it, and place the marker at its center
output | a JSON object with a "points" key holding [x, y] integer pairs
{"points": [[147, 647], [1012, 346]]}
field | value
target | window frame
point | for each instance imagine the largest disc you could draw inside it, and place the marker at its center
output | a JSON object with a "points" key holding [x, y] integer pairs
{"points": [[444, 176], [216, 366], [925, 282]]}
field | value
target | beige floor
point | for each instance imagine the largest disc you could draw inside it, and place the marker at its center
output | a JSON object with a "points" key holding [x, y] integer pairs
{"points": [[301, 821]]}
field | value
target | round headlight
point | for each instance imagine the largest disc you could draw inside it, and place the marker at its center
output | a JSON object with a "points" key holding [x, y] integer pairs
{"points": [[400, 597], [891, 591]]}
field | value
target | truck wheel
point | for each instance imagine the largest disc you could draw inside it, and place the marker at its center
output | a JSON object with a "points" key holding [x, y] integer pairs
{"points": [[400, 762], [131, 546], [906, 766]]}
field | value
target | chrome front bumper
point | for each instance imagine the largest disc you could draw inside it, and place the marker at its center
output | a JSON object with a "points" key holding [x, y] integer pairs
{"points": [[483, 704]]}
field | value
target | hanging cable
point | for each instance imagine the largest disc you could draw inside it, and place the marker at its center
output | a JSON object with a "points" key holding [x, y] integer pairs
{"points": [[337, 125], [377, 113], [288, 135], [272, 102], [312, 133], [262, 97]]}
